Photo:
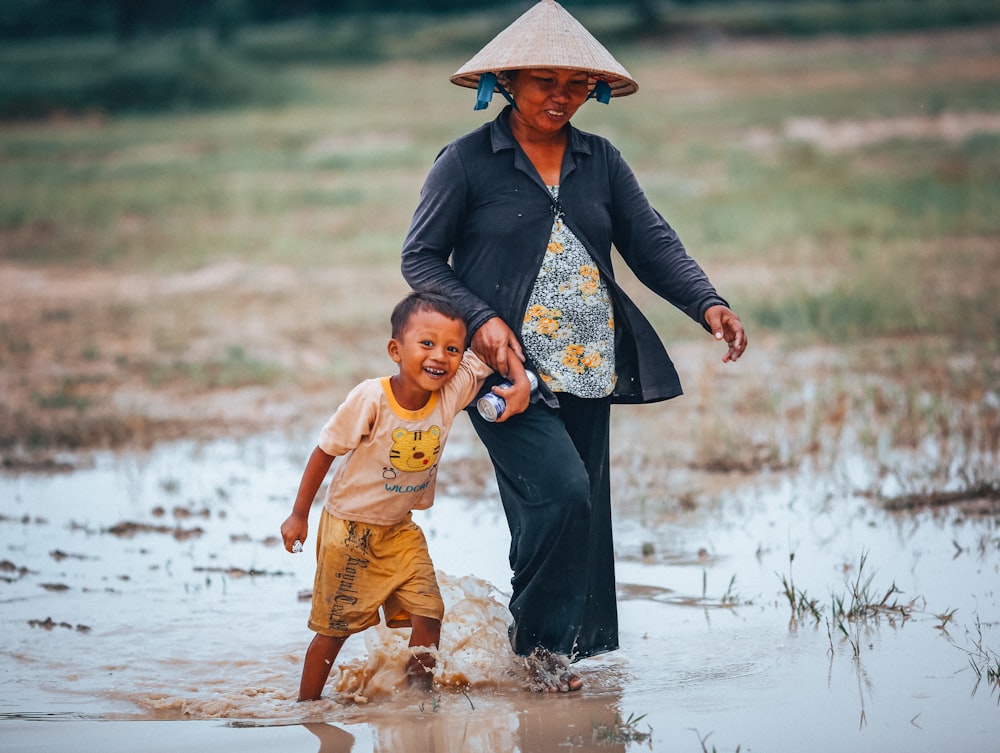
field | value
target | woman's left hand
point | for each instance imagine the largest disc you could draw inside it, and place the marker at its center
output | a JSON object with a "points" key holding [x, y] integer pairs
{"points": [[725, 325]]}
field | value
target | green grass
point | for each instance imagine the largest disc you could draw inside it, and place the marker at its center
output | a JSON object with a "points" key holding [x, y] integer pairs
{"points": [[178, 72], [63, 398], [233, 369], [860, 237], [810, 18], [729, 199], [189, 69]]}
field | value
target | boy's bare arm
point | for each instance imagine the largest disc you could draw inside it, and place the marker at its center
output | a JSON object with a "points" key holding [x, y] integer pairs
{"points": [[296, 526]]}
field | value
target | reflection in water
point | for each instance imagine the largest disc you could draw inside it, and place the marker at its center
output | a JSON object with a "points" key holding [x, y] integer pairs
{"points": [[590, 728], [586, 724], [332, 739]]}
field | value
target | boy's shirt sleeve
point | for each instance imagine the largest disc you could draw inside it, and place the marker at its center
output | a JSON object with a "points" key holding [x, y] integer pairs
{"points": [[468, 381], [352, 421]]}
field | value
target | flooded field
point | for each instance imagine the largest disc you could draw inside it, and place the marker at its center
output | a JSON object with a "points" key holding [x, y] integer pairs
{"points": [[144, 589], [807, 544]]}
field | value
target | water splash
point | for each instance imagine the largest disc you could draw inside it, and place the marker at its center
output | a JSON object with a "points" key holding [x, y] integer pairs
{"points": [[474, 652]]}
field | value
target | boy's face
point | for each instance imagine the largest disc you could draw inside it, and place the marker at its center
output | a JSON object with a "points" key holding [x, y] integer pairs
{"points": [[428, 351]]}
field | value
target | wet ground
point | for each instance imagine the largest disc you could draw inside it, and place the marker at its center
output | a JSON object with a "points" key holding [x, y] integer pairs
{"points": [[148, 605]]}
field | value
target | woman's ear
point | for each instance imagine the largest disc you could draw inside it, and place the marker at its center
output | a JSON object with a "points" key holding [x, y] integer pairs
{"points": [[506, 80]]}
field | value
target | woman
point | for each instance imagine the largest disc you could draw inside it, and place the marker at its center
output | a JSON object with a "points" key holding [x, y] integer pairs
{"points": [[515, 223]]}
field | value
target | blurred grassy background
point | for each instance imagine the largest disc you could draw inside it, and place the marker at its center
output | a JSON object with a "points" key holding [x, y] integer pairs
{"points": [[201, 64], [840, 189], [327, 157]]}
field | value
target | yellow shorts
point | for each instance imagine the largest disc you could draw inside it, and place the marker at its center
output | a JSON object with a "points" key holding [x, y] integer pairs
{"points": [[361, 567]]}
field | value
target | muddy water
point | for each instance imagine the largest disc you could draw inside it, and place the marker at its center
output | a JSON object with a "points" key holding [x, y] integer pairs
{"points": [[151, 588]]}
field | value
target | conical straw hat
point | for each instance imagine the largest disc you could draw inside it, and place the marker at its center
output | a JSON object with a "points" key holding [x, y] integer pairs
{"points": [[547, 36]]}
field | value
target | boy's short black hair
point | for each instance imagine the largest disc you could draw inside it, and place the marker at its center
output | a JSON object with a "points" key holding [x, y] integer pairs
{"points": [[415, 302]]}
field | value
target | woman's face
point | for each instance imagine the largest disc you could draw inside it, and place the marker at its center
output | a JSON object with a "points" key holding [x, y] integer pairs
{"points": [[547, 97]]}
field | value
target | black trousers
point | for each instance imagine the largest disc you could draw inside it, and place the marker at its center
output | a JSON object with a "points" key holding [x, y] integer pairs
{"points": [[553, 471]]}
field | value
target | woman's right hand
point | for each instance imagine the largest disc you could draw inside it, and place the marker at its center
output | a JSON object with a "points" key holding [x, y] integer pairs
{"points": [[494, 342]]}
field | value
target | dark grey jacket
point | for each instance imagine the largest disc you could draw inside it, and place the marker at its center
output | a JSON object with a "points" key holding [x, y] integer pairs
{"points": [[484, 207]]}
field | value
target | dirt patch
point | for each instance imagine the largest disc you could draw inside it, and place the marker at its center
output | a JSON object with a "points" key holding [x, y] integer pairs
{"points": [[97, 358]]}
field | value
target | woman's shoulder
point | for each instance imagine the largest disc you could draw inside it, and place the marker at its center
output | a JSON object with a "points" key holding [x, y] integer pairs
{"points": [[471, 140], [586, 141], [468, 157]]}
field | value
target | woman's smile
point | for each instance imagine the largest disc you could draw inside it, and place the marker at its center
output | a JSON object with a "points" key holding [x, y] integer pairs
{"points": [[547, 98]]}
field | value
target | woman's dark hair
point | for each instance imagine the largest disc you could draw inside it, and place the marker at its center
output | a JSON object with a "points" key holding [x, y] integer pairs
{"points": [[415, 302]]}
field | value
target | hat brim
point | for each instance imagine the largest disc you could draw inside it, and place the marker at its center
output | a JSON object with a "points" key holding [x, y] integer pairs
{"points": [[547, 36], [620, 85]]}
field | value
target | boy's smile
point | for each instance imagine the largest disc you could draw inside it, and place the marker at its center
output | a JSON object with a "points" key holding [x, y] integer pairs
{"points": [[428, 352]]}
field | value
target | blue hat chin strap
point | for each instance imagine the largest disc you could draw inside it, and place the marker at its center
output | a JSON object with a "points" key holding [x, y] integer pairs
{"points": [[484, 92], [601, 92], [488, 82]]}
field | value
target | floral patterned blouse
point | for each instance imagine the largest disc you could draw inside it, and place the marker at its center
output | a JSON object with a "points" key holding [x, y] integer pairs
{"points": [[569, 325]]}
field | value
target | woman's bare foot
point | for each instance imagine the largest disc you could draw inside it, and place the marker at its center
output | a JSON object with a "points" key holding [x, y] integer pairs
{"points": [[550, 673]]}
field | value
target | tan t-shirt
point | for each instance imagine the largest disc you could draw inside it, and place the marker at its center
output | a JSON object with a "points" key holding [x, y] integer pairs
{"points": [[387, 456]]}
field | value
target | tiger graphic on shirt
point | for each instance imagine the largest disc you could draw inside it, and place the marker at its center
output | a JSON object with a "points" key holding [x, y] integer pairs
{"points": [[414, 451]]}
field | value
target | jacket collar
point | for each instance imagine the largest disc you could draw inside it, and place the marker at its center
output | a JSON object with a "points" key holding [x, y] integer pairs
{"points": [[502, 137]]}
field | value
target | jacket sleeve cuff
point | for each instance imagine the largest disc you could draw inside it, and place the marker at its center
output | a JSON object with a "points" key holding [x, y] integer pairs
{"points": [[478, 318], [705, 305]]}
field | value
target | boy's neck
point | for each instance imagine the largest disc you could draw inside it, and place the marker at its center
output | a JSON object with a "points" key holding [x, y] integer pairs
{"points": [[408, 396]]}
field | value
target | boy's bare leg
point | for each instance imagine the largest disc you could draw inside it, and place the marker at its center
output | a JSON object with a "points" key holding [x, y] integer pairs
{"points": [[426, 631], [320, 655]]}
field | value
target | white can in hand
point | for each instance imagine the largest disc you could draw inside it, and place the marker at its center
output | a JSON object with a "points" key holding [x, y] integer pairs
{"points": [[491, 406]]}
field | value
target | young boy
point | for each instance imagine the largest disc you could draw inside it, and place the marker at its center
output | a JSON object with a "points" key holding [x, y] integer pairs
{"points": [[389, 434]]}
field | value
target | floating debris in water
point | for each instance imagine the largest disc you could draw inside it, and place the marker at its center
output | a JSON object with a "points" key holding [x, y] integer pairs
{"points": [[49, 624], [128, 528]]}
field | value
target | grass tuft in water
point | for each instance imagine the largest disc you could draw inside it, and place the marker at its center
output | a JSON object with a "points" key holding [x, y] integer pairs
{"points": [[862, 603], [704, 744], [984, 661], [622, 731], [801, 604]]}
